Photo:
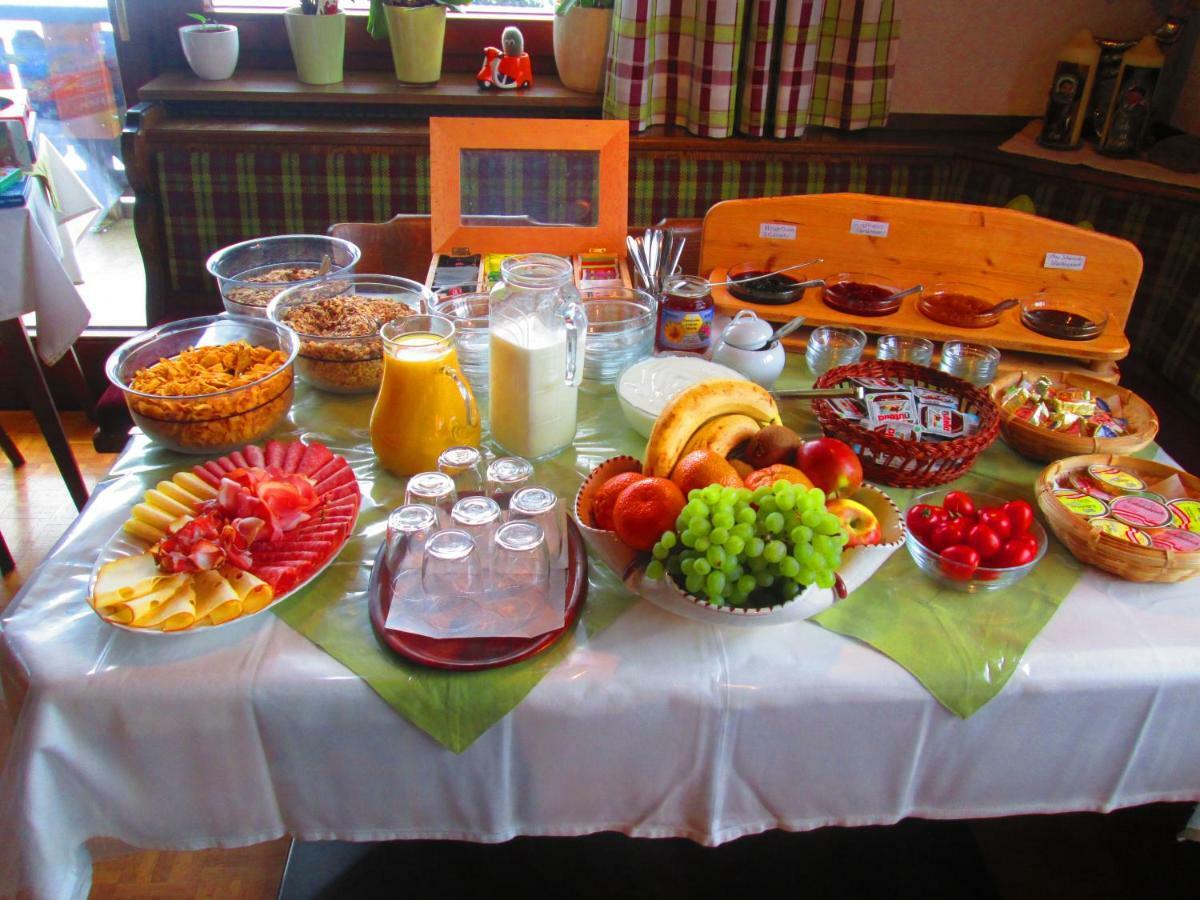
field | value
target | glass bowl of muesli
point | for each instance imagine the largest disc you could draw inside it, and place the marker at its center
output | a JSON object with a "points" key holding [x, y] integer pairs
{"points": [[251, 274], [338, 322]]}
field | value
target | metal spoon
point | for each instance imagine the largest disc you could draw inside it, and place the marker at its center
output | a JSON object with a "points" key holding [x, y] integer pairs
{"points": [[1000, 307], [916, 288], [326, 265], [784, 330], [811, 262], [635, 257]]}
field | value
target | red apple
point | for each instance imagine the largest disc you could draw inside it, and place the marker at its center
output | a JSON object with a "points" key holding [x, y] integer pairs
{"points": [[860, 523], [831, 465]]}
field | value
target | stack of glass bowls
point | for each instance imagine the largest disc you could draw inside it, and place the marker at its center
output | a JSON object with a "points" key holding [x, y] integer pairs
{"points": [[620, 332]]}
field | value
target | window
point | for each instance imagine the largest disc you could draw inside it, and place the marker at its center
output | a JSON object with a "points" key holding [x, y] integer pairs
{"points": [[544, 7]]}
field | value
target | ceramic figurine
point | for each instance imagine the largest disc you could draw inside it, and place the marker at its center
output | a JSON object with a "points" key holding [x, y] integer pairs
{"points": [[508, 68]]}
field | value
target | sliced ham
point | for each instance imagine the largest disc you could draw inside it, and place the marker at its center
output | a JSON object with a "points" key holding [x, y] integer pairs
{"points": [[281, 578]]}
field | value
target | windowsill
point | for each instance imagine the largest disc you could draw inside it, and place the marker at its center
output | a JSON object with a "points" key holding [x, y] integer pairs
{"points": [[457, 89]]}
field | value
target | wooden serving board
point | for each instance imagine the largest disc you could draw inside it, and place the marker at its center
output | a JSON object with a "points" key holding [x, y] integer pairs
{"points": [[924, 242]]}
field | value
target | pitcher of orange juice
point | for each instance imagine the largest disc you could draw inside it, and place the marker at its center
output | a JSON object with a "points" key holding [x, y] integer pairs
{"points": [[425, 404]]}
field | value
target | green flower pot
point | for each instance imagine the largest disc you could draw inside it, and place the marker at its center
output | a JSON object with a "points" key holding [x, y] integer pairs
{"points": [[318, 45], [416, 35]]}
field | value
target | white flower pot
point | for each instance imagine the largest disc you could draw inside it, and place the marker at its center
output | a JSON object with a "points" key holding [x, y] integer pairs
{"points": [[212, 53], [581, 48]]}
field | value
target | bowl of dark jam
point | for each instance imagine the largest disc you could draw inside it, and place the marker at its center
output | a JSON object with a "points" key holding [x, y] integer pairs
{"points": [[1065, 320], [759, 285], [859, 294], [960, 304]]}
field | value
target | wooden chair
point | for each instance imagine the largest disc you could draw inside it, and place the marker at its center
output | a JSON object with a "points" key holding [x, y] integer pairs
{"points": [[7, 563], [399, 246]]}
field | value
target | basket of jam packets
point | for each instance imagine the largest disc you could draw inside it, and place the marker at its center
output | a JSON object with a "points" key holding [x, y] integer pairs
{"points": [[1135, 518], [1051, 416], [914, 427]]}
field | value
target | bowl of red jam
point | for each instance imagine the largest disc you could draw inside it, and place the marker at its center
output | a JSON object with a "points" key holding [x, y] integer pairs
{"points": [[859, 294], [756, 283], [961, 305]]}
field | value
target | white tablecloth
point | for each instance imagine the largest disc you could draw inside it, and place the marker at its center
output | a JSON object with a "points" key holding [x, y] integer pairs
{"points": [[657, 727], [35, 280]]}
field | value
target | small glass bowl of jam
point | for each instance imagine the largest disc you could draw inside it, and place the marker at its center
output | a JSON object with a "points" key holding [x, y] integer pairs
{"points": [[860, 294], [777, 289], [1066, 320], [960, 304]]}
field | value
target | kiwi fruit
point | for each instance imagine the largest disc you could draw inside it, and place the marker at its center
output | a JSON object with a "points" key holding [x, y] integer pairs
{"points": [[773, 444]]}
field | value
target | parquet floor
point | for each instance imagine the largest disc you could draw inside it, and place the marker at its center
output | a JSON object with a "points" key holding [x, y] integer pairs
{"points": [[35, 509]]}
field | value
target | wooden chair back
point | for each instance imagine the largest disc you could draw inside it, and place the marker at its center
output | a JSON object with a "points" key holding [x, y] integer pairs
{"points": [[399, 246]]}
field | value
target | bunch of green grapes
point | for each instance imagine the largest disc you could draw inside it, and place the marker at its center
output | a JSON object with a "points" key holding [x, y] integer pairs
{"points": [[737, 547]]}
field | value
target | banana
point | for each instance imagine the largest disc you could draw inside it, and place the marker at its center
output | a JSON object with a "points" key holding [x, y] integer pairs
{"points": [[722, 434], [692, 407]]}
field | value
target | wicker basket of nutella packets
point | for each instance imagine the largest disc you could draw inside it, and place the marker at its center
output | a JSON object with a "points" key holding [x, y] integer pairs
{"points": [[1135, 518], [1048, 416], [914, 427]]}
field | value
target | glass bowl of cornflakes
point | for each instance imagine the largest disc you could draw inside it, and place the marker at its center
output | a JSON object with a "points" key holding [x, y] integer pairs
{"points": [[251, 274], [209, 384]]}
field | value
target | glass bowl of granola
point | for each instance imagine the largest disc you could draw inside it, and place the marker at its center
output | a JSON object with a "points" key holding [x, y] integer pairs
{"points": [[337, 322], [252, 273], [209, 384]]}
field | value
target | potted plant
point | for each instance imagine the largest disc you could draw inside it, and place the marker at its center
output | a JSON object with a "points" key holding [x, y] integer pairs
{"points": [[209, 47], [416, 30], [316, 30], [581, 35]]}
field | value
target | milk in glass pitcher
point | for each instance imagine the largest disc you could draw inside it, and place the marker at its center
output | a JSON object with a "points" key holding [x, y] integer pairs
{"points": [[538, 329]]}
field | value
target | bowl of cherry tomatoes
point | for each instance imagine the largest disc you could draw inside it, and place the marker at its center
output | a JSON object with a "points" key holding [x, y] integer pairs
{"points": [[974, 542]]}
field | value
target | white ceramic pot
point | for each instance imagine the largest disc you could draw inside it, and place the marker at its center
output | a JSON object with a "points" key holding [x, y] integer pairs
{"points": [[581, 48], [211, 52], [762, 366]]}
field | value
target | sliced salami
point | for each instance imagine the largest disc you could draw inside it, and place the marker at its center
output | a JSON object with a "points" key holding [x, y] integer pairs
{"points": [[281, 578], [225, 464], [239, 460], [341, 492], [291, 458], [280, 557], [311, 545], [328, 468], [342, 476], [206, 476], [216, 469], [315, 456], [254, 455], [275, 453]]}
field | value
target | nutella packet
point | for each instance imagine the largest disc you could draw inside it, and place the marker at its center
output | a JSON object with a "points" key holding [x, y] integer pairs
{"points": [[848, 408], [890, 408], [941, 421], [938, 398], [873, 385], [902, 431]]}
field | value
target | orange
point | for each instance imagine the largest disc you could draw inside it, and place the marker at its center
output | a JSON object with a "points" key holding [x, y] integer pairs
{"points": [[606, 496], [700, 468], [645, 510], [772, 474]]}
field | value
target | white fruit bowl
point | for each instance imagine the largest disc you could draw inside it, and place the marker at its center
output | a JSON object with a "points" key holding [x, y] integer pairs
{"points": [[858, 563]]}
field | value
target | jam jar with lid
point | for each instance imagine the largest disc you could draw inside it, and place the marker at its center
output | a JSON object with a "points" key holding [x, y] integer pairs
{"points": [[685, 315]]}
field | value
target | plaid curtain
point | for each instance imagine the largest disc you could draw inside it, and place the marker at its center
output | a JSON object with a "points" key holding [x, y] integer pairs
{"points": [[797, 62]]}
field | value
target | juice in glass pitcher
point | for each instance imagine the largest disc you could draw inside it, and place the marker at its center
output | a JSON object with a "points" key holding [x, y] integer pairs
{"points": [[425, 404]]}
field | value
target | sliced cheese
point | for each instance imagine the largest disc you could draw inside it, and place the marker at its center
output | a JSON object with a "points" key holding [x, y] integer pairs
{"points": [[144, 512], [142, 531], [124, 579], [215, 597], [253, 591], [194, 485], [131, 611], [178, 612], [184, 502]]}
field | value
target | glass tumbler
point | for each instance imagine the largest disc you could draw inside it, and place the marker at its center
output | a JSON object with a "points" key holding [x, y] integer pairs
{"points": [[905, 349], [450, 575], [975, 363], [479, 517], [465, 466], [435, 489], [408, 528], [540, 505], [520, 571], [469, 313], [507, 475], [829, 348]]}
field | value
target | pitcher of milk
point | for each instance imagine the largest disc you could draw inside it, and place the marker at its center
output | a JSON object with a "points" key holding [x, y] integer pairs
{"points": [[537, 332]]}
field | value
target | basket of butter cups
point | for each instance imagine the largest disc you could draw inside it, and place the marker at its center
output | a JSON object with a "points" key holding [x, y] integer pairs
{"points": [[1049, 416], [1135, 518]]}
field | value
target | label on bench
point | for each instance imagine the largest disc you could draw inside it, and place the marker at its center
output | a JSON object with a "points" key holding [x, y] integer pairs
{"points": [[1069, 261], [777, 230], [869, 227]]}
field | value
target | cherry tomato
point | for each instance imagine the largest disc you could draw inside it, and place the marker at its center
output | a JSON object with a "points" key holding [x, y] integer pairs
{"points": [[985, 541], [923, 518], [948, 533], [959, 503], [1020, 516], [959, 562], [1017, 551], [995, 518]]}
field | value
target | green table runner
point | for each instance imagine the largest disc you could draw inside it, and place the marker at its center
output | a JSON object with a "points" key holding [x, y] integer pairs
{"points": [[963, 648]]}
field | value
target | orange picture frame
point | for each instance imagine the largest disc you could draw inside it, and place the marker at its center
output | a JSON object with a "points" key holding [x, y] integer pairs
{"points": [[448, 137]]}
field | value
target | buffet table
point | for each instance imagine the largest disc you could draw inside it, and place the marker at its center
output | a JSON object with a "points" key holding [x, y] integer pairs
{"points": [[640, 722]]}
